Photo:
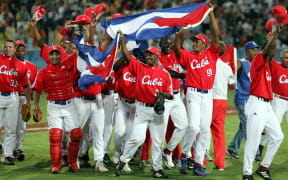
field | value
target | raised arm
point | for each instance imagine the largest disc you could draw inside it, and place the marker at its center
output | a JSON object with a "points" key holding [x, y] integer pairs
{"points": [[62, 33], [126, 57], [269, 50], [36, 34], [214, 26], [177, 42], [92, 31]]}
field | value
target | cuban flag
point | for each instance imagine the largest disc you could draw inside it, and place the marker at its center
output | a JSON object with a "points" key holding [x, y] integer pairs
{"points": [[230, 57], [156, 24], [94, 66]]}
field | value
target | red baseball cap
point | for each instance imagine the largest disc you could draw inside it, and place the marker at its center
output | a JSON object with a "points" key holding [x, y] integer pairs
{"points": [[20, 42], [39, 12], [89, 12], [100, 9], [117, 15], [82, 19], [202, 38], [54, 48], [153, 50]]}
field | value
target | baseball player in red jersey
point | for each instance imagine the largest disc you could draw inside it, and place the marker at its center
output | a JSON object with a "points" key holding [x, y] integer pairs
{"points": [[259, 112], [174, 108], [12, 72], [57, 80], [125, 110], [201, 70], [31, 75], [151, 81], [280, 86]]}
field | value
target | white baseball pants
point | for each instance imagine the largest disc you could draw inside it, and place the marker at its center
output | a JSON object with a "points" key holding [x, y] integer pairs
{"points": [[259, 116], [176, 109], [91, 110], [109, 108], [146, 117], [21, 125], [199, 109], [8, 106], [124, 116], [62, 116]]}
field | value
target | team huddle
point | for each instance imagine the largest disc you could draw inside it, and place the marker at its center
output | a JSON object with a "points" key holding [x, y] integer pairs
{"points": [[144, 102]]}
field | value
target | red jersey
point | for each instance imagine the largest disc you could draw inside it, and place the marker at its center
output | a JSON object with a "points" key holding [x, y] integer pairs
{"points": [[111, 83], [12, 71], [170, 62], [260, 77], [57, 80], [126, 82], [93, 90], [150, 80], [44, 53], [279, 79], [201, 67], [31, 74]]}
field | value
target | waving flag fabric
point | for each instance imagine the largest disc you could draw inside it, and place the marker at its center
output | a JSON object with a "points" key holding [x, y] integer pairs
{"points": [[93, 65], [156, 24], [230, 57]]}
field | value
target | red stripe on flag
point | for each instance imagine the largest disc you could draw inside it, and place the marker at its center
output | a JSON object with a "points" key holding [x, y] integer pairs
{"points": [[191, 18]]}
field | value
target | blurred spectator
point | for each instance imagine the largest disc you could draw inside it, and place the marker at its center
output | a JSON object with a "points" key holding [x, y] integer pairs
{"points": [[22, 16]]}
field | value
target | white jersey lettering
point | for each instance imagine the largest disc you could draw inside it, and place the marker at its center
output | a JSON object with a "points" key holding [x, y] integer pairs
{"points": [[283, 79], [3, 70], [268, 77], [127, 77], [155, 82], [195, 65]]}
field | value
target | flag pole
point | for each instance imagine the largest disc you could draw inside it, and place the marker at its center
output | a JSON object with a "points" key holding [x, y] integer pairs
{"points": [[115, 54]]}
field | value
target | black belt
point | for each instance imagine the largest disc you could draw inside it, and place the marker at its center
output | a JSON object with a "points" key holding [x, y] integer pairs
{"points": [[175, 92], [21, 94], [146, 104], [130, 101], [263, 99], [8, 93], [61, 102], [204, 91], [106, 92], [91, 98]]}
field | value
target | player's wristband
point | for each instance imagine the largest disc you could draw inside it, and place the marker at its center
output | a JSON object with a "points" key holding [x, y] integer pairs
{"points": [[63, 31]]}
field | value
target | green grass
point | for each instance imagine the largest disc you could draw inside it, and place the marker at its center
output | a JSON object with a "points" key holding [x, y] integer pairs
{"points": [[37, 164]]}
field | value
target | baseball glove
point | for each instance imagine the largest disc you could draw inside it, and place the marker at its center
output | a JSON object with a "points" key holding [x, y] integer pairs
{"points": [[159, 104], [37, 115], [25, 112]]}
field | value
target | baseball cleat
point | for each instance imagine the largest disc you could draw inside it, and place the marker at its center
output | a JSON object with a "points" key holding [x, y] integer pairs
{"points": [[73, 167], [177, 163], [248, 177], [56, 170], [116, 157], [9, 161], [145, 163], [199, 171], [100, 167], [106, 159], [64, 161], [190, 163], [20, 155], [232, 154], [127, 168], [265, 174], [119, 168], [160, 174], [208, 157], [183, 166], [218, 169], [168, 160]]}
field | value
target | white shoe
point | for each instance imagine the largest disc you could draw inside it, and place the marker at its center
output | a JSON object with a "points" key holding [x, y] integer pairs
{"points": [[208, 157], [168, 160], [100, 166], [116, 157], [78, 163], [127, 168], [145, 163]]}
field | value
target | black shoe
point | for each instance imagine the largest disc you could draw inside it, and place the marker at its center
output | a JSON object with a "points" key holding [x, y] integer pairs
{"points": [[64, 161], [106, 159], [190, 163], [160, 174], [249, 177], [20, 155], [9, 161], [232, 154], [119, 168], [265, 174], [83, 161]]}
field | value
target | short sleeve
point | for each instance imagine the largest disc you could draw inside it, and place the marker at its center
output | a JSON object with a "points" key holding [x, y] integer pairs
{"points": [[38, 84]]}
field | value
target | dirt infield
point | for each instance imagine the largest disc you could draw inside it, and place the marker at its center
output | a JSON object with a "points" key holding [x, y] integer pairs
{"points": [[37, 127]]}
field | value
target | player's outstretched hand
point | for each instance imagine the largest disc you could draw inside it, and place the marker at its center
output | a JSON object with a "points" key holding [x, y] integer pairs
{"points": [[121, 37], [210, 3]]}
